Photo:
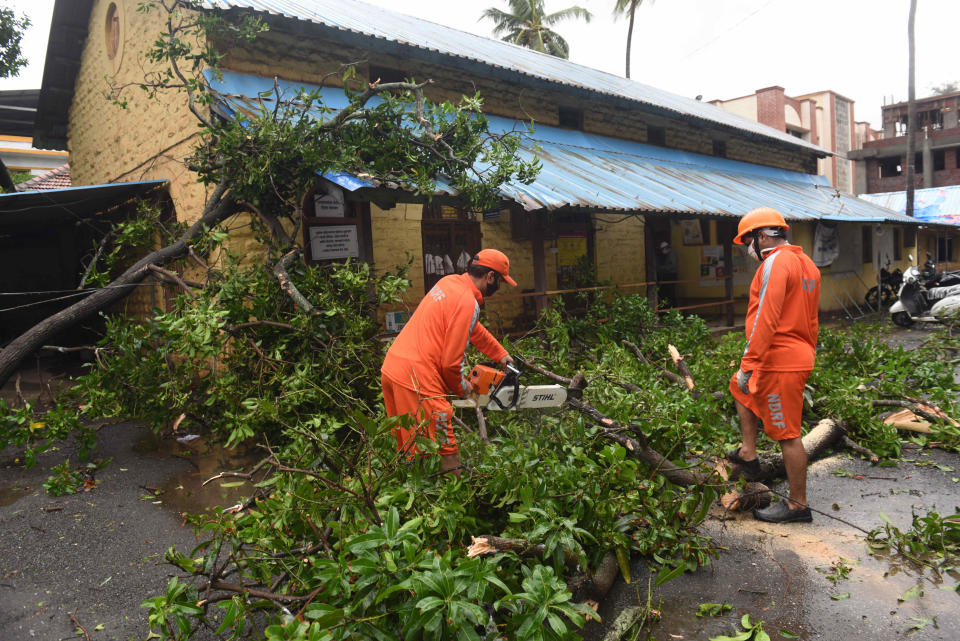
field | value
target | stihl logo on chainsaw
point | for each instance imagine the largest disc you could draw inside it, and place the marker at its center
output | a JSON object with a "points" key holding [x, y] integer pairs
{"points": [[495, 389]]}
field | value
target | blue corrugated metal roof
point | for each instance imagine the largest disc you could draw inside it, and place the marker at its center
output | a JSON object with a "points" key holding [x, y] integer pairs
{"points": [[588, 171], [932, 205], [379, 23]]}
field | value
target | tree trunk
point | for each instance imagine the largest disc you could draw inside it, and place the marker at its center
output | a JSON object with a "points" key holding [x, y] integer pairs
{"points": [[219, 208], [911, 109], [633, 11]]}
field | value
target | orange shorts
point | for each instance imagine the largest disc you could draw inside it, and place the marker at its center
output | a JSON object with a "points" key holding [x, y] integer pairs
{"points": [[777, 401], [433, 415]]}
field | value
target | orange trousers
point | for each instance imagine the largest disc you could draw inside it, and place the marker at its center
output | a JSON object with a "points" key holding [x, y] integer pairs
{"points": [[432, 417], [777, 401]]}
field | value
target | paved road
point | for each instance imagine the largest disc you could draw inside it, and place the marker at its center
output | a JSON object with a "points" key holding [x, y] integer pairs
{"points": [[778, 573], [95, 553]]}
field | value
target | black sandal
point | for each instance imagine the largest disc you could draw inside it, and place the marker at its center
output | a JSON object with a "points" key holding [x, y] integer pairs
{"points": [[751, 467]]}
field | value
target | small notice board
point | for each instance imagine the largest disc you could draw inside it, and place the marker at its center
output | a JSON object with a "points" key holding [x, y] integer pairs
{"points": [[334, 242]]}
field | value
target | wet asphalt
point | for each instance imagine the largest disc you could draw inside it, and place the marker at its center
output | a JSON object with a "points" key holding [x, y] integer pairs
{"points": [[778, 574], [94, 556]]}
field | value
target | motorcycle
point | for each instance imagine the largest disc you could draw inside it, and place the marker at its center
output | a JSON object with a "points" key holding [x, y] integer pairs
{"points": [[919, 302], [885, 293]]}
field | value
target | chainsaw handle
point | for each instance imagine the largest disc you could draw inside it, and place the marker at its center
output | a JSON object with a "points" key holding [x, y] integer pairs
{"points": [[511, 373]]}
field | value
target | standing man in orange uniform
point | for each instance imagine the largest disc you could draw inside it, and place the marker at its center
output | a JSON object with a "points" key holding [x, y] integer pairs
{"points": [[424, 364], [781, 329]]}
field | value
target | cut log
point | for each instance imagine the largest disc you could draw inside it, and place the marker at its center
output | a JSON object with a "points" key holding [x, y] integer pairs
{"points": [[906, 420], [681, 366]]}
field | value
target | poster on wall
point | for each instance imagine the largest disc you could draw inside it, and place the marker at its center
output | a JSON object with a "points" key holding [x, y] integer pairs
{"points": [[712, 268], [692, 232], [570, 250], [334, 242], [743, 266]]}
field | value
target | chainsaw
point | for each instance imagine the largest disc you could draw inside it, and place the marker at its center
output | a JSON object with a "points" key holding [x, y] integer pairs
{"points": [[495, 389]]}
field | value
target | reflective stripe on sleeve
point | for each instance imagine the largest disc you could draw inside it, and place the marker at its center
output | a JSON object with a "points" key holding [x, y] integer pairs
{"points": [[765, 280]]}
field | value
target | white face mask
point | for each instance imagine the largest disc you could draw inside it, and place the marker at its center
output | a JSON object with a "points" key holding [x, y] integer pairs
{"points": [[752, 252]]}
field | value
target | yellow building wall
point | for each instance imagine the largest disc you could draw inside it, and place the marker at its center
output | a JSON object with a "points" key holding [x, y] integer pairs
{"points": [[151, 138], [620, 251]]}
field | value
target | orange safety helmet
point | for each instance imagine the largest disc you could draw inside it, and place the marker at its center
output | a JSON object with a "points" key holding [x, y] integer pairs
{"points": [[757, 219]]}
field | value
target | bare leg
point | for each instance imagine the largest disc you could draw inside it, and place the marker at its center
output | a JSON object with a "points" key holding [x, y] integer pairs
{"points": [[450, 463], [749, 424], [795, 460]]}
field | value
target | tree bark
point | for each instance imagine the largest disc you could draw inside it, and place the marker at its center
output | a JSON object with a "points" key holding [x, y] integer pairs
{"points": [[221, 206], [911, 109]]}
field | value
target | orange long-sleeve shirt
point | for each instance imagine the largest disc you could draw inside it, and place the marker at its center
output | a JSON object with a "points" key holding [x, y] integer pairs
{"points": [[782, 320], [427, 356]]}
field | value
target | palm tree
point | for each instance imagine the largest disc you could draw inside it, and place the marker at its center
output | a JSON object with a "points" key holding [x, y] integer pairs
{"points": [[628, 8], [526, 25]]}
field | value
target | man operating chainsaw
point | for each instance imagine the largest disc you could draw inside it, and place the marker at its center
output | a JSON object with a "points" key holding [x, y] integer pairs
{"points": [[424, 364], [781, 330]]}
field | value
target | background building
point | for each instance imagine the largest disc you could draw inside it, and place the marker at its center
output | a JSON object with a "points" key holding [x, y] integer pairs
{"points": [[882, 163], [18, 109], [824, 118]]}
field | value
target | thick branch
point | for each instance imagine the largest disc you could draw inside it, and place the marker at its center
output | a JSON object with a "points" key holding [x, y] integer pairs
{"points": [[280, 271], [173, 277]]}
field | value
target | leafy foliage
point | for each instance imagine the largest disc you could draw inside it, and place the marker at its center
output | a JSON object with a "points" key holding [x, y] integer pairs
{"points": [[526, 24], [11, 33], [933, 539]]}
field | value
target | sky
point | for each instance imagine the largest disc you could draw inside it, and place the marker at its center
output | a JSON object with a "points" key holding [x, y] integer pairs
{"points": [[719, 49]]}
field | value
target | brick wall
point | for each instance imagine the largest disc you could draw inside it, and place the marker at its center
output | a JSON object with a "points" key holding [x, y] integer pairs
{"points": [[770, 104]]}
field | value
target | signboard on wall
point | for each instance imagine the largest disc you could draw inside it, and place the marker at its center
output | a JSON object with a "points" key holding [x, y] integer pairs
{"points": [[333, 242], [330, 204]]}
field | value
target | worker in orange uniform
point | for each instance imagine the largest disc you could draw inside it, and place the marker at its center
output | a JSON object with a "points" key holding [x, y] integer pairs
{"points": [[781, 330], [424, 364]]}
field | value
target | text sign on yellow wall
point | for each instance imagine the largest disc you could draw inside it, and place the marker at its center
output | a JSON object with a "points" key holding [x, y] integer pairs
{"points": [[570, 250], [333, 242]]}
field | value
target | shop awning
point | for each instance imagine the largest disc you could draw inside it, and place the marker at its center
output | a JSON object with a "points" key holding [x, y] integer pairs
{"points": [[588, 172]]}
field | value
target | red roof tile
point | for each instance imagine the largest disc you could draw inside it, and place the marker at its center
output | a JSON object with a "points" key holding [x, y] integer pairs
{"points": [[58, 178]]}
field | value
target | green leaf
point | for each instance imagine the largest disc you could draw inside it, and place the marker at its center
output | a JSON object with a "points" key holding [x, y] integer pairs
{"points": [[912, 593], [840, 596], [667, 574], [786, 634], [623, 560]]}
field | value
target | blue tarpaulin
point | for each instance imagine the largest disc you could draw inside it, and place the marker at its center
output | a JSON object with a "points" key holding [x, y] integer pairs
{"points": [[939, 205]]}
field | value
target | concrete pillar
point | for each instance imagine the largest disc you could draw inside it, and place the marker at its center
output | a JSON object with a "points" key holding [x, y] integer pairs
{"points": [[927, 152], [860, 172]]}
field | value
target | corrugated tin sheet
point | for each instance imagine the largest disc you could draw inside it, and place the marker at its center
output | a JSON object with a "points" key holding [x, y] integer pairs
{"points": [[597, 173], [376, 22], [36, 209], [932, 205]]}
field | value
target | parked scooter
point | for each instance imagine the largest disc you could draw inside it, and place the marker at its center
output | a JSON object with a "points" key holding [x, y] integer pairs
{"points": [[919, 302]]}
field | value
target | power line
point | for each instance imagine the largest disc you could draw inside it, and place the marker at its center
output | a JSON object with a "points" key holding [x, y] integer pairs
{"points": [[728, 30]]}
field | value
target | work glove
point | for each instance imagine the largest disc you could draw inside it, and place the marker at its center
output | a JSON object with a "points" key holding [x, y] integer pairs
{"points": [[743, 381]]}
